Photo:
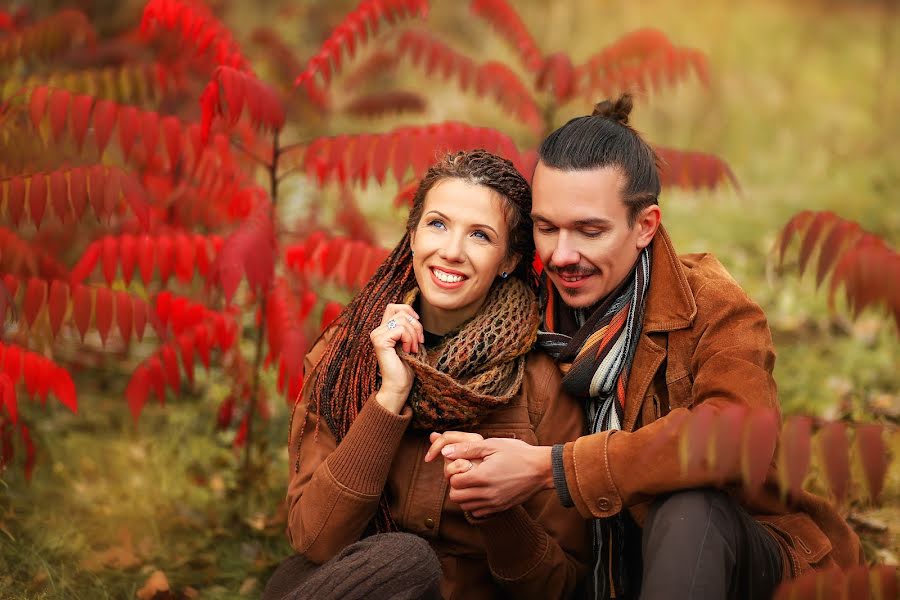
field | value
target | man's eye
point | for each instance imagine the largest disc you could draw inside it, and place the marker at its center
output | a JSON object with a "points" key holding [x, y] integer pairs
{"points": [[546, 230], [591, 233]]}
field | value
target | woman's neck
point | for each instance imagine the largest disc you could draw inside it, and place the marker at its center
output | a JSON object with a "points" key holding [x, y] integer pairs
{"points": [[440, 321]]}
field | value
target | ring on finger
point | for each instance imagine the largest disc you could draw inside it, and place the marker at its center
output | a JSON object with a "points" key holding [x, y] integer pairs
{"points": [[392, 324], [410, 318]]}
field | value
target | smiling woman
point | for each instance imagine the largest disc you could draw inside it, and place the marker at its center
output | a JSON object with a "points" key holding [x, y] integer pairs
{"points": [[440, 338]]}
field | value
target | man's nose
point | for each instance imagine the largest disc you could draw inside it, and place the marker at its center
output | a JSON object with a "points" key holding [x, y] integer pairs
{"points": [[564, 254]]}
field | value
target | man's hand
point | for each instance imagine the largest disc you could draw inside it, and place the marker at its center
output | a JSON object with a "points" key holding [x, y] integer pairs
{"points": [[510, 473]]}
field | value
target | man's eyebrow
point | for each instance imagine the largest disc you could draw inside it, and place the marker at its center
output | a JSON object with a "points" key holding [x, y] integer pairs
{"points": [[592, 222]]}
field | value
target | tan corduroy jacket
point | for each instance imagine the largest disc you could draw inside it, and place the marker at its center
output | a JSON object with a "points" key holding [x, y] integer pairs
{"points": [[703, 341], [539, 550]]}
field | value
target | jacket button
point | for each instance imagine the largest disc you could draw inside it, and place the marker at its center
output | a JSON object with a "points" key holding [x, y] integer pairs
{"points": [[604, 504], [429, 523]]}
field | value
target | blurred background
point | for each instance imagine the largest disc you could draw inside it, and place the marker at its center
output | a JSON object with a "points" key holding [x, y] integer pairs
{"points": [[802, 104]]}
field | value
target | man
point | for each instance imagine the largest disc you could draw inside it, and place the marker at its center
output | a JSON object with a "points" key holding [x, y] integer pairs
{"points": [[643, 336]]}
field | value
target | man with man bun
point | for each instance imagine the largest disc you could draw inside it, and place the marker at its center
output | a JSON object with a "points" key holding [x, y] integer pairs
{"points": [[643, 336]]}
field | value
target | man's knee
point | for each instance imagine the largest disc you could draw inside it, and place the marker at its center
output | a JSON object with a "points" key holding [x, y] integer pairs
{"points": [[692, 506]]}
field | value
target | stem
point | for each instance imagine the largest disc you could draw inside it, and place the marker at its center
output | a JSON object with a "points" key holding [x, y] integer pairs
{"points": [[256, 158], [261, 331]]}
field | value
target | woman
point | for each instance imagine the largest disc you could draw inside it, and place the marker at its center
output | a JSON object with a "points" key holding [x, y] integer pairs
{"points": [[438, 339]]}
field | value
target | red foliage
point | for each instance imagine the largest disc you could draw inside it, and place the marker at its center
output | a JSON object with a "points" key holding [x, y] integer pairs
{"points": [[230, 91], [877, 582], [386, 103], [862, 262], [198, 29], [24, 258], [250, 252], [493, 79], [638, 61], [70, 190], [354, 30], [180, 253], [358, 157], [342, 261], [693, 170], [47, 38], [507, 22], [40, 376]]}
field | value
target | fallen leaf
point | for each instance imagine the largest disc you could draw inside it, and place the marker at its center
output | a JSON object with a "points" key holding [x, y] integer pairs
{"points": [[190, 593], [156, 583], [120, 557], [248, 586]]}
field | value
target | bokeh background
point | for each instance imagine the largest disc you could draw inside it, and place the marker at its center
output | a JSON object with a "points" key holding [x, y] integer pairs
{"points": [[802, 103]]}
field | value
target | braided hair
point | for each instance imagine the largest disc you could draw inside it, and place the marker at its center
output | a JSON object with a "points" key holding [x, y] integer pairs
{"points": [[347, 373]]}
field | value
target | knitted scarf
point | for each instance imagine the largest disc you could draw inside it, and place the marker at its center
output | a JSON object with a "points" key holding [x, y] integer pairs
{"points": [[594, 351], [477, 367]]}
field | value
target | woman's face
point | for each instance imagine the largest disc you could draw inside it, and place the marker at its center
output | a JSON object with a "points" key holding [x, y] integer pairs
{"points": [[460, 247]]}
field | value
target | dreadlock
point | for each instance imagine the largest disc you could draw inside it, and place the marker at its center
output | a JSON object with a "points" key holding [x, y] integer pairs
{"points": [[348, 371]]}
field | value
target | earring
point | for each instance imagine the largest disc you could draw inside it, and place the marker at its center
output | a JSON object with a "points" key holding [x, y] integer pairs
{"points": [[412, 253], [504, 275]]}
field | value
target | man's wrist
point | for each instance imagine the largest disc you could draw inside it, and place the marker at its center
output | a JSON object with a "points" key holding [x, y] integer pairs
{"points": [[544, 463]]}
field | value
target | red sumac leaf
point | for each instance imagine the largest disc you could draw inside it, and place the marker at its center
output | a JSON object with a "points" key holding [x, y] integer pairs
{"points": [[760, 437], [63, 388], [103, 312], [330, 312], [157, 378], [124, 317], [105, 113], [82, 304], [37, 198], [795, 452], [57, 305], [109, 258], [78, 191], [150, 132], [8, 397], [139, 309], [81, 117], [165, 257], [97, 187], [137, 391], [170, 368], [146, 257], [186, 347], [834, 450], [12, 363], [15, 200], [127, 256], [873, 456], [59, 195], [59, 112], [35, 298], [37, 105], [129, 124]]}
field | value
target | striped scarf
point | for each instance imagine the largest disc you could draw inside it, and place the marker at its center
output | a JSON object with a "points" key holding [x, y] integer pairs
{"points": [[594, 351]]}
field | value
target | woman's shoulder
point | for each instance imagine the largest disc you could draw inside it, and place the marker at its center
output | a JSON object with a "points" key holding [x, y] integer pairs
{"points": [[318, 348]]}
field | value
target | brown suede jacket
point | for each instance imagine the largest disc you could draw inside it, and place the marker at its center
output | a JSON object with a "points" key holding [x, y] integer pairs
{"points": [[539, 550], [703, 340]]}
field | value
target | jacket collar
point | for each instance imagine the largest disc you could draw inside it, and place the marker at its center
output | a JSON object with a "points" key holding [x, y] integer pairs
{"points": [[670, 303]]}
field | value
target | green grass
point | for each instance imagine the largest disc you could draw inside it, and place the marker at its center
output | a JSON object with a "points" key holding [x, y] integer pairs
{"points": [[799, 105]]}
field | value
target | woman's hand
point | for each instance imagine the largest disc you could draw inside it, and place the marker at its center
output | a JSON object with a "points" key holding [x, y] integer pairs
{"points": [[452, 467], [399, 326]]}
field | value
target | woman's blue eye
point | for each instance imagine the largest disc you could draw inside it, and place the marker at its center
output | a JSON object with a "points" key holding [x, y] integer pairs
{"points": [[482, 235], [436, 223]]}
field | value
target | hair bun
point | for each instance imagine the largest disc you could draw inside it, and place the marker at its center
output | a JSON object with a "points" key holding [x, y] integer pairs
{"points": [[617, 111]]}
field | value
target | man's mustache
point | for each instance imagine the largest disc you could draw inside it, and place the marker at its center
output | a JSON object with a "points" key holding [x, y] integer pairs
{"points": [[570, 271]]}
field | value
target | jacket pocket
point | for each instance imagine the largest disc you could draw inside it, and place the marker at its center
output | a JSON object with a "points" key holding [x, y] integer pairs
{"points": [[805, 544]]}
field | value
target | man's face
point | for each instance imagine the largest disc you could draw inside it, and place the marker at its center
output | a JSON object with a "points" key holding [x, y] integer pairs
{"points": [[581, 231]]}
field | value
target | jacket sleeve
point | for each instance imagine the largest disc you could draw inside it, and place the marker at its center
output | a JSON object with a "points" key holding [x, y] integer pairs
{"points": [[334, 493], [731, 364], [541, 549]]}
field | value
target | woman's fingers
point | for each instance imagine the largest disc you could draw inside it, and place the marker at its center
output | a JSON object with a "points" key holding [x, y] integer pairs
{"points": [[439, 440], [460, 465], [404, 313]]}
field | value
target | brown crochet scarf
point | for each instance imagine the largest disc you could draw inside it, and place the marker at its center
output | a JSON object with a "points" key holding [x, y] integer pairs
{"points": [[477, 367]]}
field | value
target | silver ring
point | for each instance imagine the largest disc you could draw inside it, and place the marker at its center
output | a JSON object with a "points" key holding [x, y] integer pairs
{"points": [[391, 324], [410, 318]]}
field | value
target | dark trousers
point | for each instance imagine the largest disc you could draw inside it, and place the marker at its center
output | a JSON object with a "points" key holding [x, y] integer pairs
{"points": [[388, 566], [701, 544]]}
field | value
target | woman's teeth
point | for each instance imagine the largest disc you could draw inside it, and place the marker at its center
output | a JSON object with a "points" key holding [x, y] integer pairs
{"points": [[447, 277]]}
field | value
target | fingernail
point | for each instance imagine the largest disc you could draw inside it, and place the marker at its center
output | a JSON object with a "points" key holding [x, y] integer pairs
{"points": [[447, 450]]}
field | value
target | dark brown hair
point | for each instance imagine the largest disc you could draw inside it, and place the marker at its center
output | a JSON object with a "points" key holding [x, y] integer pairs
{"points": [[605, 139]]}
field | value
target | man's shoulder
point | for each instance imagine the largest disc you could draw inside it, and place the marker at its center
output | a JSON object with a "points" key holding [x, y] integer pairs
{"points": [[706, 275]]}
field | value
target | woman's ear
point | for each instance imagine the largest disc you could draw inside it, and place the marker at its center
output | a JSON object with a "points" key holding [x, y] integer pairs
{"points": [[509, 264]]}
